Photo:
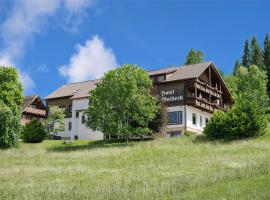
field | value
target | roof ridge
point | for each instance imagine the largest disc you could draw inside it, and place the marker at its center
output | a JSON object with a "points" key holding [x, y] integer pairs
{"points": [[173, 66], [83, 81], [197, 63], [179, 66]]}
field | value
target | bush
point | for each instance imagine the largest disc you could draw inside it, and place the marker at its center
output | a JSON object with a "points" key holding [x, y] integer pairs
{"points": [[34, 132], [243, 121], [10, 127]]}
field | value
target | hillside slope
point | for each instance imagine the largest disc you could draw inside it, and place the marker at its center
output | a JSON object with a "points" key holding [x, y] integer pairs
{"points": [[175, 168]]}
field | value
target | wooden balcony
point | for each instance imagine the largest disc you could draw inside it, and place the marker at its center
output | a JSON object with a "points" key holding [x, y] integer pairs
{"points": [[203, 104], [208, 89]]}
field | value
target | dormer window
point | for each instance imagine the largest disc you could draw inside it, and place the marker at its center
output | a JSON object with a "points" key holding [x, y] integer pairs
{"points": [[76, 91], [161, 78]]}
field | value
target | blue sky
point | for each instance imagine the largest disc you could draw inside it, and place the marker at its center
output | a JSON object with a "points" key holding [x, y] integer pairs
{"points": [[53, 42]]}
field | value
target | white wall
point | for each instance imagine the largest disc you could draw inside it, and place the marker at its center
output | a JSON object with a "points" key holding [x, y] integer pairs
{"points": [[79, 128], [198, 112]]}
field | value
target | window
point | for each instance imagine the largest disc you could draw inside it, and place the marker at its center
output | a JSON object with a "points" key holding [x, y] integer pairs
{"points": [[175, 117], [194, 119], [174, 133], [77, 114], [69, 126], [200, 120], [75, 137], [33, 106], [83, 119], [206, 120], [172, 118], [70, 108], [161, 78]]}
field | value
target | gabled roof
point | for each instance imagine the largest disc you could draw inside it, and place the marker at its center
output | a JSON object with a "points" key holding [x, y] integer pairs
{"points": [[188, 71], [27, 101], [182, 72], [82, 89], [74, 90], [35, 111]]}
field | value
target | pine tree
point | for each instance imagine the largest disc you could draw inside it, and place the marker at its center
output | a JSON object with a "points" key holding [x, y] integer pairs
{"points": [[236, 66], [246, 55], [266, 55], [256, 54], [194, 57]]}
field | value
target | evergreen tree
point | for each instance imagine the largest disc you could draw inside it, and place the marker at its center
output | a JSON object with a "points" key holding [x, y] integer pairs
{"points": [[194, 57], [236, 66], [246, 55], [266, 55], [256, 54]]}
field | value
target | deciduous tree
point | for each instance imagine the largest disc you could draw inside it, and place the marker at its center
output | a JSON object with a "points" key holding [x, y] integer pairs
{"points": [[236, 66], [122, 105], [11, 98], [55, 121]]}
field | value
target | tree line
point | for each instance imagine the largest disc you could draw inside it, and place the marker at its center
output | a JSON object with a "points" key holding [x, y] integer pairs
{"points": [[253, 54]]}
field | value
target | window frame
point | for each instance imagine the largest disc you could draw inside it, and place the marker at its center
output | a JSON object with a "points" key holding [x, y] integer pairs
{"points": [[194, 118], [83, 119], [77, 114], [163, 78], [180, 117], [70, 108], [69, 126]]}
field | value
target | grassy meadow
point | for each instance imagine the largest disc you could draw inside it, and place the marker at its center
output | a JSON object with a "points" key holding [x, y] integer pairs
{"points": [[174, 168]]}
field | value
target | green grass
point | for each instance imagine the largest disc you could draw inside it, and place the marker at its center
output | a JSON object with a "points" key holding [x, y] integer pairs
{"points": [[175, 168]]}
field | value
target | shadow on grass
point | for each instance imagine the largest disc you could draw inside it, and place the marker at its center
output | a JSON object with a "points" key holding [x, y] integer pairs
{"points": [[96, 144], [205, 139], [199, 139]]}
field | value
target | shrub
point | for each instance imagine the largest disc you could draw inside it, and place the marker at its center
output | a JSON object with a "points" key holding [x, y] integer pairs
{"points": [[10, 127], [34, 132], [244, 120]]}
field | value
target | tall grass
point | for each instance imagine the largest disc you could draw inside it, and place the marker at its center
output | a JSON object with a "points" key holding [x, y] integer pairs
{"points": [[176, 168]]}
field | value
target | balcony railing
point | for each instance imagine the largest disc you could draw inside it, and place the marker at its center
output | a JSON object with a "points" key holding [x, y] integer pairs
{"points": [[207, 88], [204, 104]]}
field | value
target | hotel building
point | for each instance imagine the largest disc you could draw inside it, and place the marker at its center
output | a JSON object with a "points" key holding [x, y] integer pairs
{"points": [[191, 93]]}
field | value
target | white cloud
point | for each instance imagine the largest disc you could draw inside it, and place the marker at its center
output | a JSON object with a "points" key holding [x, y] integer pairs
{"points": [[76, 6], [29, 17], [27, 82], [5, 60], [90, 61]]}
